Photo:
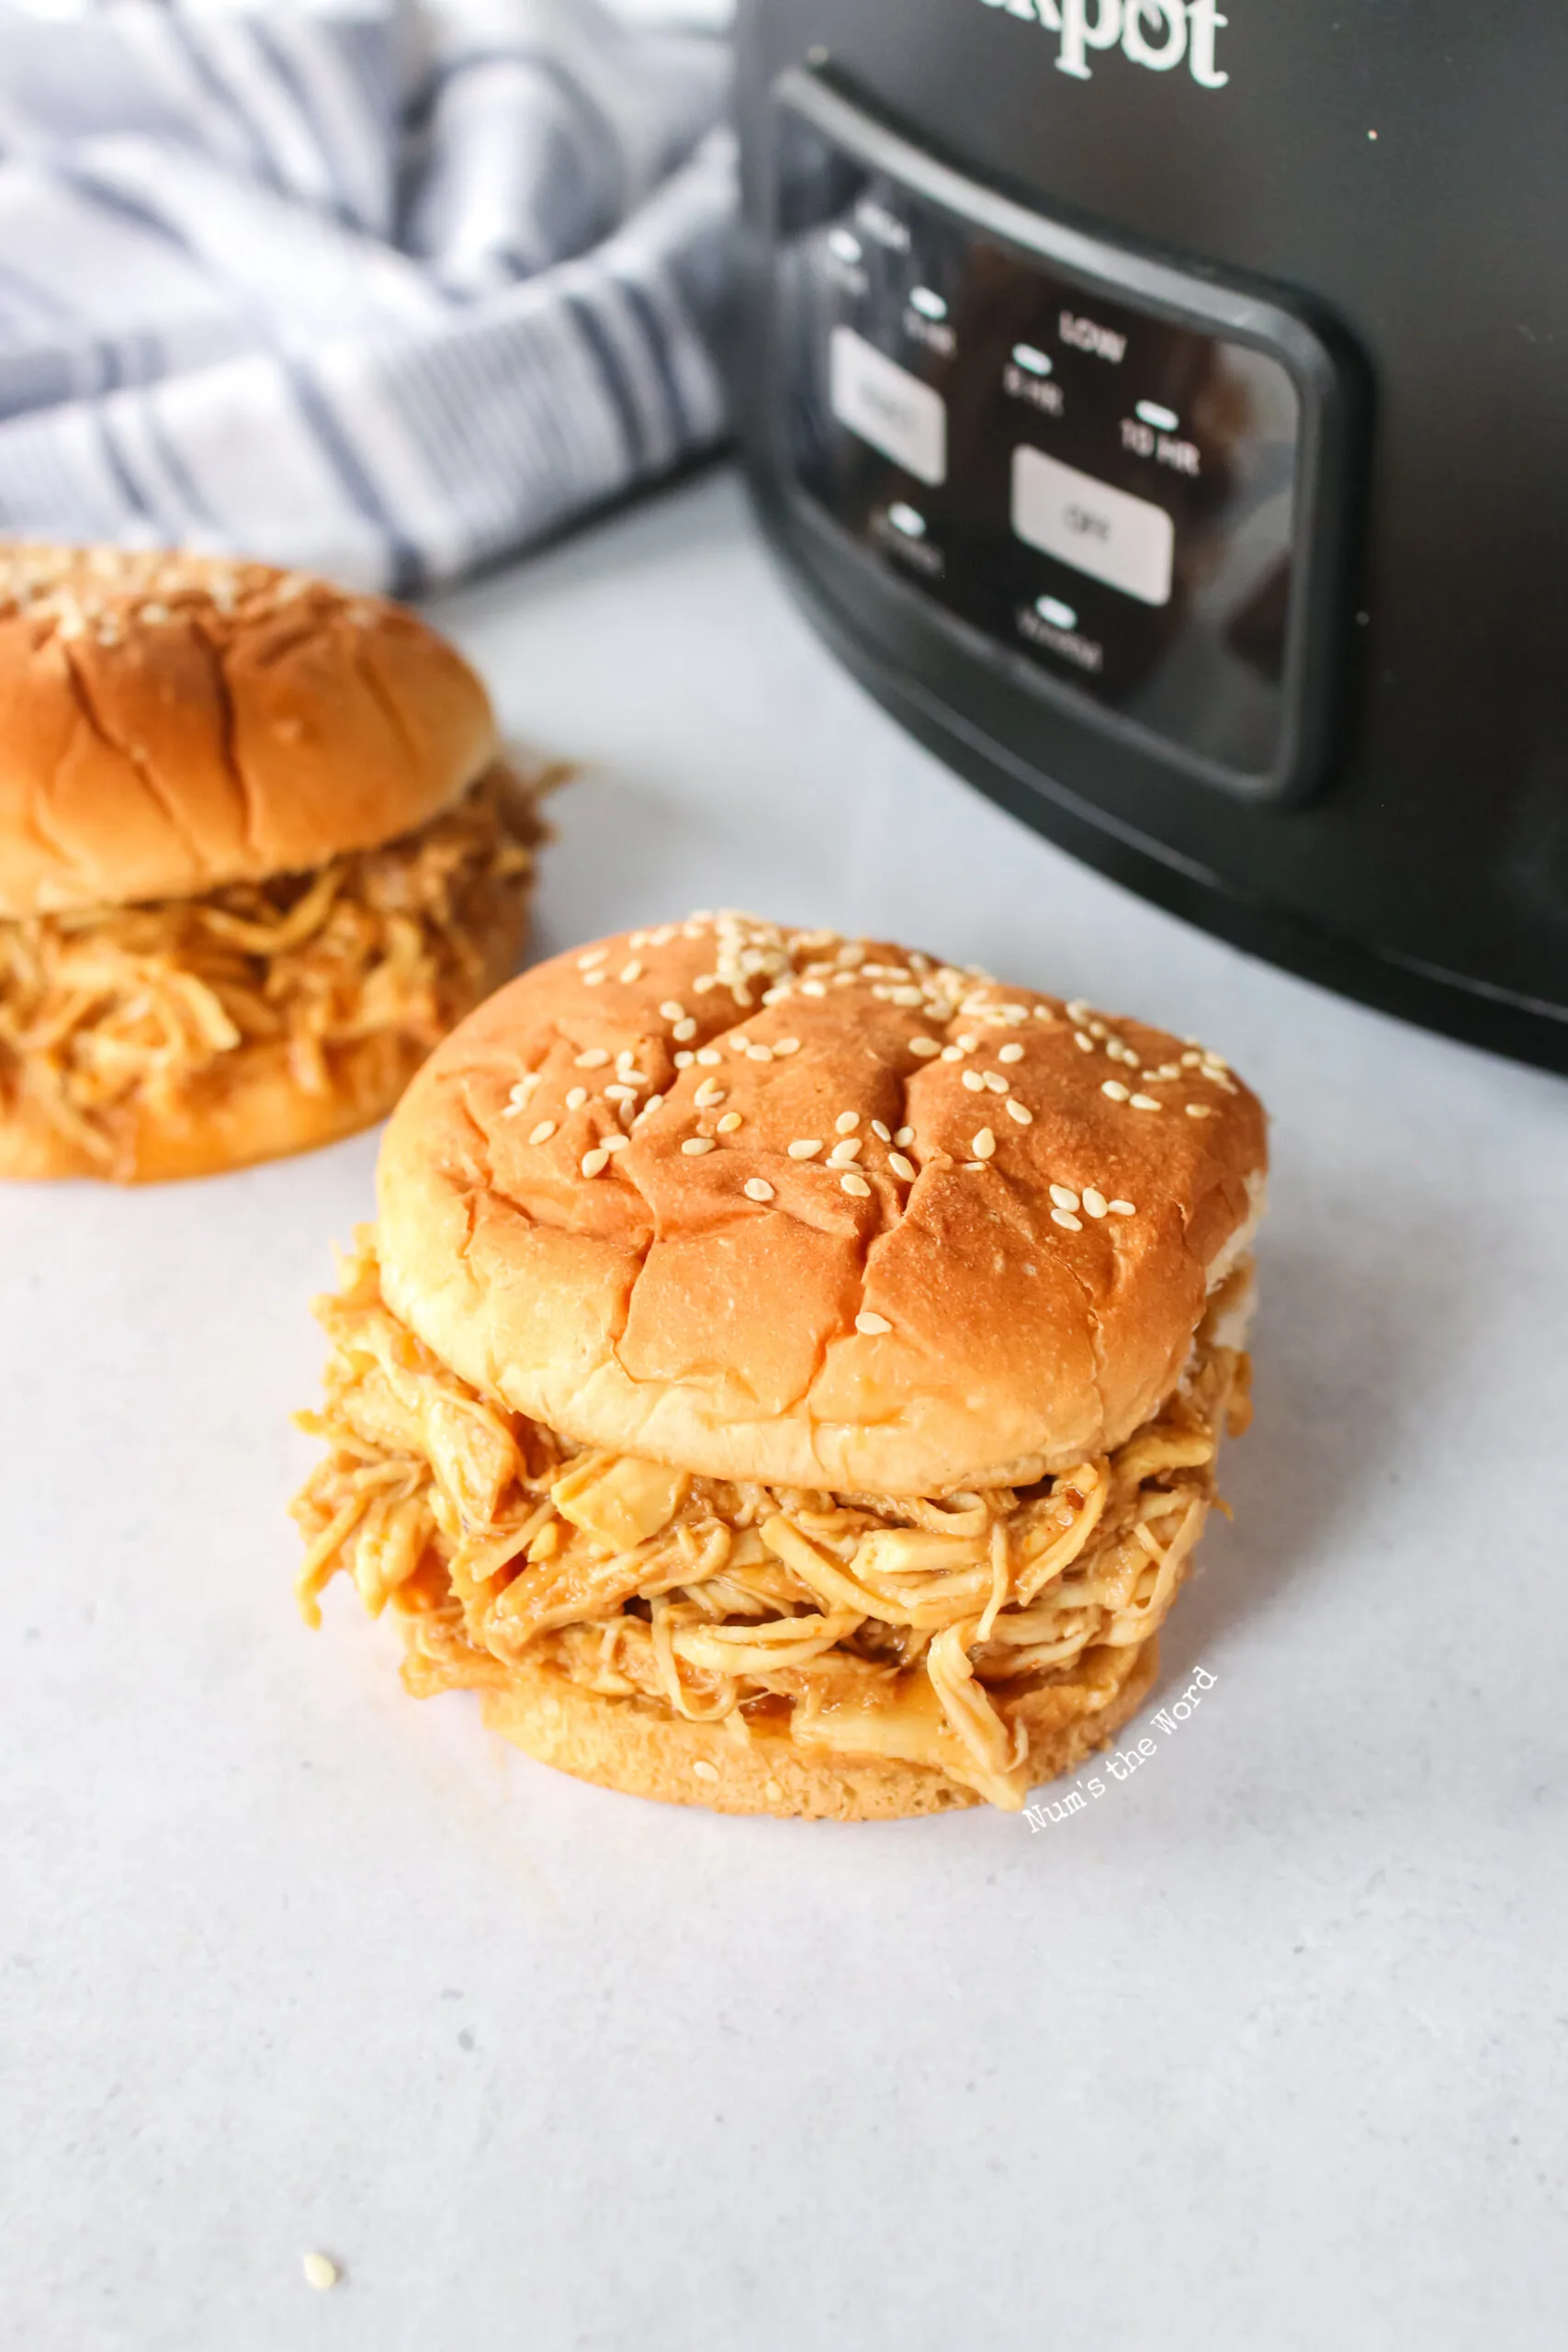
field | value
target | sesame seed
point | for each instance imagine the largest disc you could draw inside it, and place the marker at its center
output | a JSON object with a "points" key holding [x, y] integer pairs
{"points": [[632, 971], [924, 1046], [594, 956], [1077, 1010], [595, 979], [812, 988], [1192, 1060], [845, 1154], [975, 1167], [731, 1121], [846, 1123], [703, 982], [784, 1046], [1122, 1208], [671, 1011], [708, 1093], [1146, 1102], [684, 1061], [593, 1162], [543, 1132], [1016, 1110], [974, 1081], [804, 1148], [1043, 1012], [694, 1146], [983, 1145], [952, 1053], [617, 1143], [880, 1132], [1011, 1053], [901, 1167], [759, 1052], [1085, 1045], [906, 996], [1094, 1201], [1200, 1110], [1066, 1219], [873, 1326], [1115, 1090], [1064, 1196], [968, 1044], [995, 1081], [856, 1185], [709, 1056], [905, 1136], [321, 2272], [684, 1028], [620, 1094], [757, 1188], [654, 1103], [577, 1098], [704, 1770]]}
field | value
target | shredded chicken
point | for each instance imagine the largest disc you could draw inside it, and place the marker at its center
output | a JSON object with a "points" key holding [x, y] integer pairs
{"points": [[867, 1624], [109, 1006]]}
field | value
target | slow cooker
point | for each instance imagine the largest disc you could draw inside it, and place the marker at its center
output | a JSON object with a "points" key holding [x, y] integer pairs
{"points": [[1164, 411]]}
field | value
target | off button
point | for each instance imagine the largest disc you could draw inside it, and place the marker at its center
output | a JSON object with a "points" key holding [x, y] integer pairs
{"points": [[1128, 542]]}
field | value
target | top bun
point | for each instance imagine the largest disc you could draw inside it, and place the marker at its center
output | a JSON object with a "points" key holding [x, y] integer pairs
{"points": [[177, 722], [1007, 1292]]}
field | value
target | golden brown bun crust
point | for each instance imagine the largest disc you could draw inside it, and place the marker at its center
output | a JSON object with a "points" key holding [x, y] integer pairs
{"points": [[655, 1308], [625, 1744], [174, 723], [255, 1111]]}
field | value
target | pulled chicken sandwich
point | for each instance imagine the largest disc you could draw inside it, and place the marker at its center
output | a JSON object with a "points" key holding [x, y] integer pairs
{"points": [[788, 1371], [258, 853]]}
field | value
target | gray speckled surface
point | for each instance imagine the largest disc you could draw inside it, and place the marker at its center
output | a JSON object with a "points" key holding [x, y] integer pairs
{"points": [[1264, 2048]]}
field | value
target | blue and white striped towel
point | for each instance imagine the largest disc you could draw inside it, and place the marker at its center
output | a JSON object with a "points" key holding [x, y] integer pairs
{"points": [[378, 287]]}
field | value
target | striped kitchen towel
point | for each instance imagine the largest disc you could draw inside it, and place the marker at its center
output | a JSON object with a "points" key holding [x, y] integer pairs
{"points": [[377, 288]]}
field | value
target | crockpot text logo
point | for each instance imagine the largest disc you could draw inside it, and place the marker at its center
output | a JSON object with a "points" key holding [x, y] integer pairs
{"points": [[1156, 33]]}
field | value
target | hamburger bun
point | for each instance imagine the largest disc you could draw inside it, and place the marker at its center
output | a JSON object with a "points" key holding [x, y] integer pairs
{"points": [[175, 723], [625, 1745], [1004, 1279]]}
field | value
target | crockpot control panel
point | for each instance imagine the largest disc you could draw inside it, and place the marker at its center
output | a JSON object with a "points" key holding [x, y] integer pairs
{"points": [[1108, 473]]}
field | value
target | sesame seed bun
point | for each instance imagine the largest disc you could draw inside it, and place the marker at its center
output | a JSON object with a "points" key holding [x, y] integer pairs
{"points": [[643, 1751], [850, 1219], [175, 723]]}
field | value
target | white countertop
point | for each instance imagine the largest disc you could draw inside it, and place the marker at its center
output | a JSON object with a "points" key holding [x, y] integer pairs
{"points": [[1265, 2049]]}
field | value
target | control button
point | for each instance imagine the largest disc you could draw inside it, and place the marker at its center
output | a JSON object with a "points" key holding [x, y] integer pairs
{"points": [[1127, 542], [1153, 413], [843, 244], [908, 519], [1052, 609], [888, 407], [928, 303], [1032, 361]]}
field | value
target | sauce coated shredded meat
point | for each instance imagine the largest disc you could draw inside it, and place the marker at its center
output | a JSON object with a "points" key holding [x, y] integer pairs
{"points": [[109, 1006], [870, 1624]]}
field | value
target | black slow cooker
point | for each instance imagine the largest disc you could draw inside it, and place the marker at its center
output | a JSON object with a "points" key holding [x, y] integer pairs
{"points": [[1166, 414]]}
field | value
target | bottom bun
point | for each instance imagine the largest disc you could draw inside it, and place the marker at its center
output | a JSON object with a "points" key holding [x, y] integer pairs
{"points": [[259, 1112], [627, 1745]]}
